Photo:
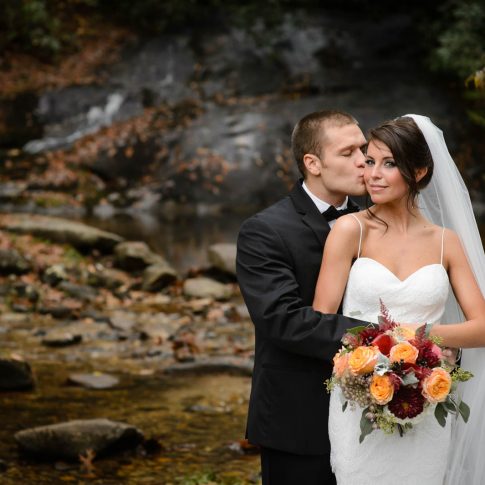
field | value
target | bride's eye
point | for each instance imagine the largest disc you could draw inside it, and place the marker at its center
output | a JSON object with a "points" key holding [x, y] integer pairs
{"points": [[390, 163], [369, 161]]}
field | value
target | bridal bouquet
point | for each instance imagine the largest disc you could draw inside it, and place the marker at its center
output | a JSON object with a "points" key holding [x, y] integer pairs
{"points": [[396, 376]]}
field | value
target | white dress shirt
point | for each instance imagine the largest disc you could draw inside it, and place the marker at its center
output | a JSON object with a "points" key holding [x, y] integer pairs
{"points": [[322, 206]]}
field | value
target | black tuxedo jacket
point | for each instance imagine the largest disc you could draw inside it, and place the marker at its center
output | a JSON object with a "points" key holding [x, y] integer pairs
{"points": [[279, 253]]}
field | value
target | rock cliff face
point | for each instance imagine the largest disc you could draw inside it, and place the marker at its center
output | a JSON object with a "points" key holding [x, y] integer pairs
{"points": [[201, 121]]}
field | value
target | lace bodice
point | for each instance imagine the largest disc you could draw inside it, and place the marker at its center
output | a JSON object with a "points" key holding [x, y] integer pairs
{"points": [[421, 297]]}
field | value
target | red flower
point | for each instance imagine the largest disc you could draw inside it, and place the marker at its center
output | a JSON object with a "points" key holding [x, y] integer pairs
{"points": [[407, 403], [384, 342]]}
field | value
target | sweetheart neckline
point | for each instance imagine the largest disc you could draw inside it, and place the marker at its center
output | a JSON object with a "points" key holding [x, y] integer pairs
{"points": [[393, 274]]}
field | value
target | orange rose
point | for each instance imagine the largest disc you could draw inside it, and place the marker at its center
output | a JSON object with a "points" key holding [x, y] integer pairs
{"points": [[340, 363], [404, 332], [437, 385], [381, 389], [405, 352], [363, 360]]}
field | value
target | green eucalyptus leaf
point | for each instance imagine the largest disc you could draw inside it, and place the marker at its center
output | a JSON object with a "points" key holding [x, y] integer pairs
{"points": [[450, 406], [365, 426], [356, 330], [464, 411], [440, 414]]}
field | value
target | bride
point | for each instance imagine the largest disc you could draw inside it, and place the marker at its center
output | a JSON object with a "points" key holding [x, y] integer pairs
{"points": [[419, 237]]}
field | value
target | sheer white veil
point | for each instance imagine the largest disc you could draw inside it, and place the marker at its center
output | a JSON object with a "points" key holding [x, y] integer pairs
{"points": [[446, 202]]}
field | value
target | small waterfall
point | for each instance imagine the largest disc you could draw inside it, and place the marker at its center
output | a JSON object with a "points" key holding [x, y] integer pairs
{"points": [[92, 121]]}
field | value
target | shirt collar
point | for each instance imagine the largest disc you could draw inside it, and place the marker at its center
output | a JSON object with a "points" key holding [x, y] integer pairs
{"points": [[322, 206]]}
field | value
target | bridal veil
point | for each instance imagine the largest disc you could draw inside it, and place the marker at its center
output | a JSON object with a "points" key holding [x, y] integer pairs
{"points": [[445, 201]]}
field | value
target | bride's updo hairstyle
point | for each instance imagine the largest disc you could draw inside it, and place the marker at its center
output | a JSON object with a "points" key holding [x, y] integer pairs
{"points": [[409, 149]]}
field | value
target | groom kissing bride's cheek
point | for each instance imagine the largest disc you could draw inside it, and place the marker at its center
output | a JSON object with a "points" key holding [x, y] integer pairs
{"points": [[302, 304]]}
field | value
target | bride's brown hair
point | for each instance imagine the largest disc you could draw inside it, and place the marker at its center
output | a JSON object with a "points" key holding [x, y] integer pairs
{"points": [[409, 150]]}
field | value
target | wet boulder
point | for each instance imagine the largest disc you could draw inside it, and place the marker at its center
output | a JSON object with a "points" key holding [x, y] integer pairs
{"points": [[60, 230], [96, 380], [59, 338], [12, 262], [158, 276], [202, 287], [109, 278], [69, 439], [15, 375], [79, 292], [136, 256], [223, 257], [54, 274]]}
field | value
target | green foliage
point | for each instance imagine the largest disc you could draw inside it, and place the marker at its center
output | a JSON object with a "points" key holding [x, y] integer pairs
{"points": [[460, 37], [365, 425], [28, 25], [40, 27]]}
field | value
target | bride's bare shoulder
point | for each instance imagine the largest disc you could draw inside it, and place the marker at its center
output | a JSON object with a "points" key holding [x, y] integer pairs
{"points": [[348, 225]]}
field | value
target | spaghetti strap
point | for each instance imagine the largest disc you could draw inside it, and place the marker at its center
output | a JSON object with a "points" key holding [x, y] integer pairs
{"points": [[442, 244], [360, 239]]}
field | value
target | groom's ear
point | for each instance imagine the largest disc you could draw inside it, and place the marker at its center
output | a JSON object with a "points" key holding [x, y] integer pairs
{"points": [[420, 173], [312, 163]]}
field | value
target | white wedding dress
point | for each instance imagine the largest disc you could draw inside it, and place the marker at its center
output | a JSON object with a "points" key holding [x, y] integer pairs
{"points": [[420, 456]]}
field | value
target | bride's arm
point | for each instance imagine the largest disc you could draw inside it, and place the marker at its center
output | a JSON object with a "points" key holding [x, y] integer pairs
{"points": [[470, 333], [340, 248]]}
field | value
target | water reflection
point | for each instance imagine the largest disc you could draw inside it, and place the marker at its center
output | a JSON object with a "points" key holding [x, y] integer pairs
{"points": [[183, 242]]}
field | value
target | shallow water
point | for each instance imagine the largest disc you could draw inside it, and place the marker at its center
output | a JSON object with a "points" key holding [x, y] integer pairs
{"points": [[195, 444]]}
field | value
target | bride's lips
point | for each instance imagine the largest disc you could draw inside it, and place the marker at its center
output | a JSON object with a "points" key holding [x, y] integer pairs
{"points": [[376, 188]]}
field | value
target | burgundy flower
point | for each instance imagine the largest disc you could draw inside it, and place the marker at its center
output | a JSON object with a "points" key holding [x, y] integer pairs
{"points": [[419, 371], [429, 358], [427, 355], [368, 335], [396, 381], [407, 403]]}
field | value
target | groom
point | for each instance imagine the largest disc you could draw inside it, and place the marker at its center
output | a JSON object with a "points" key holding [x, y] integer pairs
{"points": [[278, 260]]}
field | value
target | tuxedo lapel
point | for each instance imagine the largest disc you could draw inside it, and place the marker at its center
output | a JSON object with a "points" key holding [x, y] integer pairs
{"points": [[310, 215]]}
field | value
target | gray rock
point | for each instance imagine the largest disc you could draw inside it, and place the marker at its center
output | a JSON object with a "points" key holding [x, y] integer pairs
{"points": [[158, 276], [56, 311], [96, 380], [12, 190], [70, 439], [60, 230], [223, 257], [124, 321], [206, 288], [15, 375], [61, 339], [213, 365], [54, 274], [12, 262], [136, 255], [80, 292], [107, 278]]}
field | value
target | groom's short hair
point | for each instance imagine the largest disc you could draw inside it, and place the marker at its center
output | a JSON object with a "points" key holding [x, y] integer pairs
{"points": [[309, 133]]}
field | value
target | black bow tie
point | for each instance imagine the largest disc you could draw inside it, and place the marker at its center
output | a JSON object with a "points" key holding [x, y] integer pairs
{"points": [[332, 213]]}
